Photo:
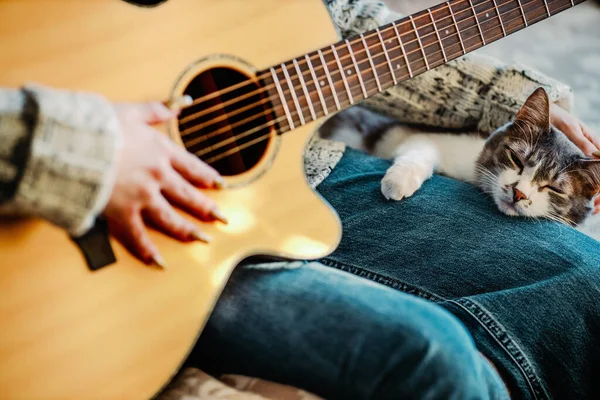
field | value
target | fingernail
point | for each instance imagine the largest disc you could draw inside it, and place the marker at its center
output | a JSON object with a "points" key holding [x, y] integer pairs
{"points": [[219, 183], [179, 102], [159, 261], [218, 215], [596, 154], [201, 237]]}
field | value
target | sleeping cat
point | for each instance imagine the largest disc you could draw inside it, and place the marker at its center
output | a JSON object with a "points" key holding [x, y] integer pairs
{"points": [[528, 167]]}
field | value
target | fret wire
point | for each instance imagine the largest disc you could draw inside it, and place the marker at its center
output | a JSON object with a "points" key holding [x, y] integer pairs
{"points": [[410, 73], [523, 12], [335, 97], [283, 100], [462, 20], [412, 21], [358, 73], [305, 89], [438, 35], [547, 8], [341, 68], [499, 18], [476, 46], [462, 45], [371, 62], [477, 21], [293, 92], [317, 84], [387, 56], [203, 98]]}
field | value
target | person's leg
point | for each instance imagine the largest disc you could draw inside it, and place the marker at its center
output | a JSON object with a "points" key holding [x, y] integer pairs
{"points": [[341, 337], [527, 290]]}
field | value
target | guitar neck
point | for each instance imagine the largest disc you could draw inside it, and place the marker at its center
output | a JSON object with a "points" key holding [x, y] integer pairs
{"points": [[335, 77]]}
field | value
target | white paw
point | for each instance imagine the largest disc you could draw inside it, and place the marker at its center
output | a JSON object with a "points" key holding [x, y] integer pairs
{"points": [[403, 180]]}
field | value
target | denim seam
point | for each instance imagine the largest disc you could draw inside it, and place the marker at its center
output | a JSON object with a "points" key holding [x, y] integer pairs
{"points": [[501, 336], [493, 327], [383, 279]]}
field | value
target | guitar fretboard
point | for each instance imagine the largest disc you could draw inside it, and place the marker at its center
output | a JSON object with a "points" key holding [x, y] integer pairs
{"points": [[333, 78]]}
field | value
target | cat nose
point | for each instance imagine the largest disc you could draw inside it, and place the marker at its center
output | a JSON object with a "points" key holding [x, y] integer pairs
{"points": [[518, 195]]}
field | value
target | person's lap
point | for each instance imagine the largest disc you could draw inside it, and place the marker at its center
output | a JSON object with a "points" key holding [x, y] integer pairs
{"points": [[341, 337], [524, 289], [527, 290]]}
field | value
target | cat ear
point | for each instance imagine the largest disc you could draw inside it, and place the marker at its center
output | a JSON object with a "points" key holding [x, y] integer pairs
{"points": [[589, 170], [536, 111]]}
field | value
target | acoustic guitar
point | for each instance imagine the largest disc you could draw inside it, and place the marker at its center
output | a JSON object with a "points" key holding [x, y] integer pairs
{"points": [[123, 330]]}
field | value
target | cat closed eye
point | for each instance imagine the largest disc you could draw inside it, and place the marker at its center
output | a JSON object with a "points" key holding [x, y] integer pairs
{"points": [[512, 156], [553, 188]]}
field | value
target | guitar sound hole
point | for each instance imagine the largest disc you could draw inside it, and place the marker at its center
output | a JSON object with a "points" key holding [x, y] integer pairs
{"points": [[228, 125]]}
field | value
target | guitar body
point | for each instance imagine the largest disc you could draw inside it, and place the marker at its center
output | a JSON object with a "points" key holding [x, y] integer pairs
{"points": [[122, 332]]}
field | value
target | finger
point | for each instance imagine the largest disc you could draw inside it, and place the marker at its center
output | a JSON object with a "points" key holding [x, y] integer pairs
{"points": [[591, 135], [164, 216], [596, 208], [190, 198], [153, 112], [195, 170], [177, 103], [576, 135], [132, 231]]}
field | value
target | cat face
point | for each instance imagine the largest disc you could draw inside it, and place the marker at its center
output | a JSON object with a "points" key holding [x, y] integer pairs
{"points": [[532, 169]]}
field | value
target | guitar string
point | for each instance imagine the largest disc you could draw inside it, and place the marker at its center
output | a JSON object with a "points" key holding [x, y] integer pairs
{"points": [[320, 67], [236, 112], [337, 72], [302, 62], [274, 122], [283, 118], [325, 53], [199, 139]]}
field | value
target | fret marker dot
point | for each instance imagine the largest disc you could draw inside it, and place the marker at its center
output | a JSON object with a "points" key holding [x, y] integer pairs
{"points": [[447, 31], [487, 15], [397, 66], [322, 83], [349, 72]]}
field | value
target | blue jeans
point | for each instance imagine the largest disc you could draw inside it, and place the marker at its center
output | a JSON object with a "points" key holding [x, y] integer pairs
{"points": [[341, 337], [526, 291]]}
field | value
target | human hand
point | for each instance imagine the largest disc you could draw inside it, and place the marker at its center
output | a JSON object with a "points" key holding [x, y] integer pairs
{"points": [[583, 137], [152, 173]]}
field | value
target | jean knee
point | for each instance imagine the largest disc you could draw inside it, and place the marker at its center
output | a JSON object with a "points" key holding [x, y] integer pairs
{"points": [[436, 359]]}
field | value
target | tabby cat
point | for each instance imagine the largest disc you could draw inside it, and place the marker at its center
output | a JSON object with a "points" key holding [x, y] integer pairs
{"points": [[528, 167]]}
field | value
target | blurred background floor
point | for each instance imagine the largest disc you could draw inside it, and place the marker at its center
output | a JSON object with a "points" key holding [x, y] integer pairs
{"points": [[565, 47]]}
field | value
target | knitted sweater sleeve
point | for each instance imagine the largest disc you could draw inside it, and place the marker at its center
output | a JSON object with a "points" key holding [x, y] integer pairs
{"points": [[473, 92], [57, 155]]}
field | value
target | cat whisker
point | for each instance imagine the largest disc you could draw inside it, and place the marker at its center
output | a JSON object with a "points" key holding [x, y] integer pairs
{"points": [[485, 172], [562, 219], [553, 218], [481, 168], [486, 178], [487, 184], [569, 221]]}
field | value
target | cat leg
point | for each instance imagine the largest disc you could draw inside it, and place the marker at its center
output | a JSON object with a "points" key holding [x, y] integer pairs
{"points": [[414, 163]]}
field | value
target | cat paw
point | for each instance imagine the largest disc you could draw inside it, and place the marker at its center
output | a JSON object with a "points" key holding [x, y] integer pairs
{"points": [[402, 181]]}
